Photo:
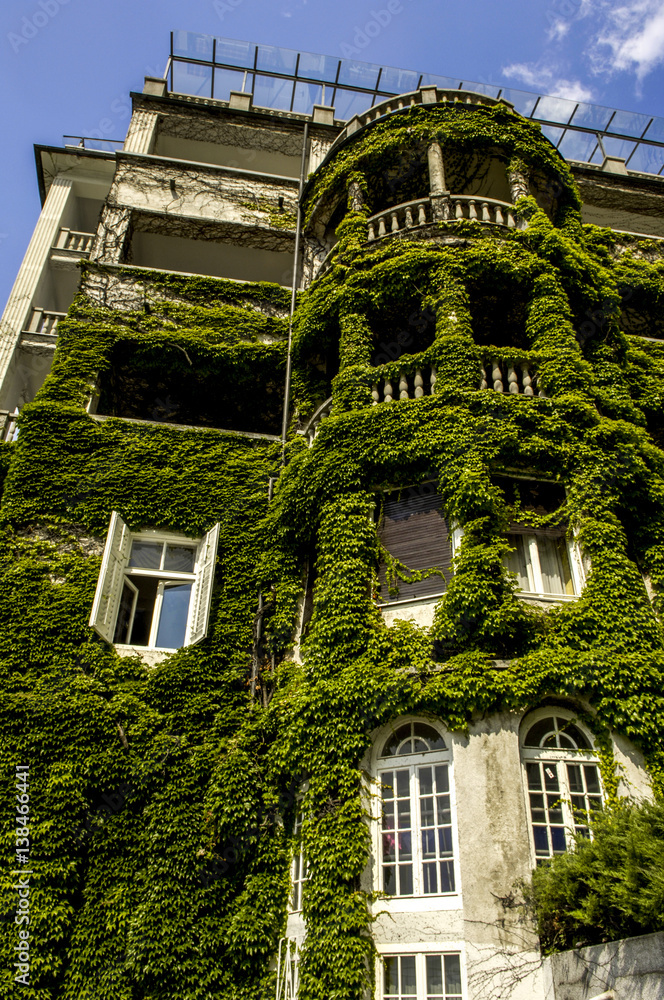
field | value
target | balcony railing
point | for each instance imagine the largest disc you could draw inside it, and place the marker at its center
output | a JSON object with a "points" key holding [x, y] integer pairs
{"points": [[515, 377], [311, 428], [414, 382], [44, 322], [8, 425], [74, 243], [425, 211]]}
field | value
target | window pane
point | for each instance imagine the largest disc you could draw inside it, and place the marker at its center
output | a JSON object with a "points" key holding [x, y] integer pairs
{"points": [[431, 735], [452, 975], [179, 558], [174, 614], [403, 783], [124, 614], [391, 977], [430, 877], [541, 839], [518, 561], [537, 734], [592, 778], [390, 880], [447, 883], [558, 839], [434, 967], [146, 555], [405, 880], [554, 563], [408, 975], [147, 594]]}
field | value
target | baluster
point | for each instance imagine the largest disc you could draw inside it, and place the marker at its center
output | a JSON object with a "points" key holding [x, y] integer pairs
{"points": [[512, 379], [387, 391], [484, 384], [472, 211], [497, 376], [395, 222], [486, 215], [403, 386], [375, 396], [459, 209], [419, 384], [409, 217], [499, 216], [381, 226], [526, 380], [433, 379], [372, 232], [421, 214], [510, 219]]}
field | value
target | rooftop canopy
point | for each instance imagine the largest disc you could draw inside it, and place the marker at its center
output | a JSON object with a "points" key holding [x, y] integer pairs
{"points": [[286, 80]]}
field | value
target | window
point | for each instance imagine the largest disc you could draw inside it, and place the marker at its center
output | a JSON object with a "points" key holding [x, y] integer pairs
{"points": [[154, 588], [299, 868], [541, 562], [563, 782], [422, 976], [416, 840], [415, 533]]}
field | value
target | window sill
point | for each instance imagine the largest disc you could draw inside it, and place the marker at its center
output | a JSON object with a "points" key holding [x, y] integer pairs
{"points": [[420, 904], [532, 598], [150, 656]]}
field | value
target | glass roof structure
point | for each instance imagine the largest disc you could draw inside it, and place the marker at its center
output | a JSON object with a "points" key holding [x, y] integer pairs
{"points": [[286, 80]]}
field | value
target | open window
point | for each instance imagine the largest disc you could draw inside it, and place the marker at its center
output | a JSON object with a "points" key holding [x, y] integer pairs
{"points": [[562, 779], [416, 842], [416, 536], [545, 563], [154, 588]]}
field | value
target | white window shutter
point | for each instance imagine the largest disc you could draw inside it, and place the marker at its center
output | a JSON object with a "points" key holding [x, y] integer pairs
{"points": [[109, 586], [202, 594]]}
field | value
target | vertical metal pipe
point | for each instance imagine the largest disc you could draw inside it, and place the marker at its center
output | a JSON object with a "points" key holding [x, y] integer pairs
{"points": [[298, 232]]}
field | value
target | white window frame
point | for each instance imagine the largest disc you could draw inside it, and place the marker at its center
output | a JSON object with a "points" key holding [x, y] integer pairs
{"points": [[559, 758], [419, 900], [534, 569], [115, 573], [299, 868], [419, 951]]}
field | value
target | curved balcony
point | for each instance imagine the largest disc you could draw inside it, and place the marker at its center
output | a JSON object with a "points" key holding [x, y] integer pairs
{"points": [[426, 211], [425, 95]]}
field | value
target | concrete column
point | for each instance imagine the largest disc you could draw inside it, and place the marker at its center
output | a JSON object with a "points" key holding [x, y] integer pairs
{"points": [[111, 234], [438, 193], [142, 132], [21, 297]]}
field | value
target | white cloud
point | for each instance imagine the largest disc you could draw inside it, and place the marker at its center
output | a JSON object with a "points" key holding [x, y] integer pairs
{"points": [[559, 28], [546, 80], [630, 38]]}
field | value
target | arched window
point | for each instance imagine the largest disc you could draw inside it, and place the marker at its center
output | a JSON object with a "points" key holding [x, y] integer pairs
{"points": [[416, 839], [562, 777]]}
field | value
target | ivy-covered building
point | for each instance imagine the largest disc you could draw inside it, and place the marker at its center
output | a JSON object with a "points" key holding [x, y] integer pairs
{"points": [[332, 537]]}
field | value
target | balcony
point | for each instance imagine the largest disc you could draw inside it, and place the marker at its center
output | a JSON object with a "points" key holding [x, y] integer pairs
{"points": [[70, 247], [41, 334], [427, 211]]}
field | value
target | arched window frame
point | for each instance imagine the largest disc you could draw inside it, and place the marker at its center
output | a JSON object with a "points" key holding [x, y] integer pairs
{"points": [[569, 781], [421, 896]]}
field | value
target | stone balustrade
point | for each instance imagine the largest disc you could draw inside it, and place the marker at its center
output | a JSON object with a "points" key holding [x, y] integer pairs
{"points": [[424, 211], [8, 425], [44, 322], [515, 377], [311, 428], [425, 95], [75, 242], [412, 383]]}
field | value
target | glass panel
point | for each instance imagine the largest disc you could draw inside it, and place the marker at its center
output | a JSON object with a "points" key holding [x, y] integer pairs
{"points": [[390, 880], [146, 555], [348, 103], [318, 67], [574, 777], [551, 778], [391, 977], [541, 839], [174, 614], [536, 735], [226, 80], [361, 74], [554, 564], [405, 880], [447, 883], [188, 78], [452, 975], [306, 95], [629, 123], [523, 101], [592, 778], [188, 43], [555, 109], [431, 735], [234, 53], [579, 740], [442, 778], [180, 558], [396, 81], [434, 967], [278, 60], [577, 146], [426, 781], [393, 742], [518, 561], [648, 159], [444, 82], [408, 975], [147, 594], [405, 845], [558, 839], [618, 147], [481, 88], [552, 134], [403, 783], [270, 92], [592, 115]]}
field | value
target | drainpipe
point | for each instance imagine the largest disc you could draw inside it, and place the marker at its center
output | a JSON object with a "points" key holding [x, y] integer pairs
{"points": [[298, 232]]}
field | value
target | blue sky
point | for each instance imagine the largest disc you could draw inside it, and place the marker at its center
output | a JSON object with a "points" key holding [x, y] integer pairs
{"points": [[67, 66]]}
